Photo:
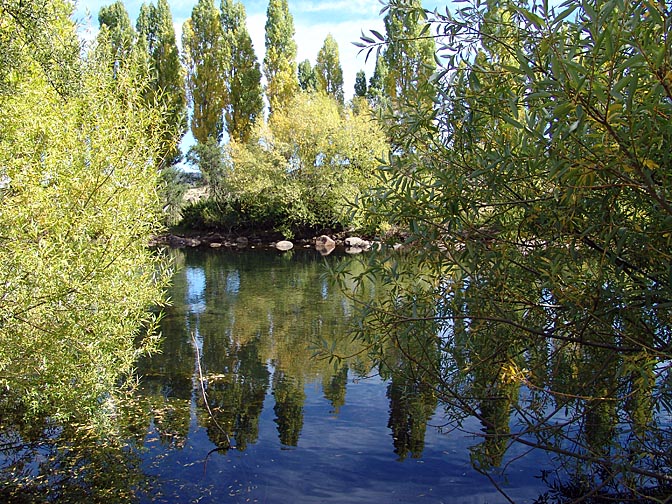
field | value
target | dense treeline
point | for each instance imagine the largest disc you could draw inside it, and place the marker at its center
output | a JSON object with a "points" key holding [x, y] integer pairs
{"points": [[296, 166]]}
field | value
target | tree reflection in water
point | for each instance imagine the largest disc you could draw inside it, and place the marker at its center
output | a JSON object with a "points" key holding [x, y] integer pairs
{"points": [[600, 404], [257, 321]]}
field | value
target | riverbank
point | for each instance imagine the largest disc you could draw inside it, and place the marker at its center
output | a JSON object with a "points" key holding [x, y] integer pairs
{"points": [[324, 243]]}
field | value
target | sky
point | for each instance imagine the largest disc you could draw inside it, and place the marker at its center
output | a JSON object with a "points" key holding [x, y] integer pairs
{"points": [[313, 21]]}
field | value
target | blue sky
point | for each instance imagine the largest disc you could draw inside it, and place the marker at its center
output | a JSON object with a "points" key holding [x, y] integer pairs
{"points": [[313, 20]]}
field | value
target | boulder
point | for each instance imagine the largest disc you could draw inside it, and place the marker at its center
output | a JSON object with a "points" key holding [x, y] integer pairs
{"points": [[284, 245], [356, 242], [324, 245], [242, 241]]}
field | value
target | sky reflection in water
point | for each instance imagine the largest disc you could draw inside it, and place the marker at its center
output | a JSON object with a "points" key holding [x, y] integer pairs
{"points": [[233, 303]]}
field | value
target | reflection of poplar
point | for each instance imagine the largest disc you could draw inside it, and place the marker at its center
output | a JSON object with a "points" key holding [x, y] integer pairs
{"points": [[411, 406], [335, 387], [639, 402], [235, 398], [219, 415], [599, 377], [494, 393], [495, 413], [253, 379], [167, 381], [412, 388], [289, 399]]}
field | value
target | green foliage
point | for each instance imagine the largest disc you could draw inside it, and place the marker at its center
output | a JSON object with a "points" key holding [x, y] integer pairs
{"points": [[244, 104], [39, 21], [280, 57], [167, 88], [210, 159], [409, 53], [360, 84], [206, 57], [376, 91], [316, 159], [328, 69], [172, 188], [298, 173], [537, 198], [307, 77], [78, 205]]}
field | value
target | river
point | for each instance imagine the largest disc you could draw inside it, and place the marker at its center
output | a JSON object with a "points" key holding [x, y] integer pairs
{"points": [[261, 394], [279, 426]]}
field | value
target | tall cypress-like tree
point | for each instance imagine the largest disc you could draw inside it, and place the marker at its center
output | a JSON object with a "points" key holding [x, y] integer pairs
{"points": [[376, 91], [155, 28], [328, 69], [280, 58], [116, 24], [409, 56], [307, 78], [206, 57], [244, 99], [360, 84]]}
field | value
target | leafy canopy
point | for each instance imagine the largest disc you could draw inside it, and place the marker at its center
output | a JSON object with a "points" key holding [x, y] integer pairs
{"points": [[78, 205], [536, 195]]}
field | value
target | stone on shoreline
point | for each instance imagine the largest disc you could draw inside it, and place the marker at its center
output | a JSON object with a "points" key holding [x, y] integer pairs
{"points": [[284, 245], [358, 243], [324, 245]]}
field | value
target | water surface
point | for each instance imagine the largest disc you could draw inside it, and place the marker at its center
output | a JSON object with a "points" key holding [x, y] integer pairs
{"points": [[280, 426]]}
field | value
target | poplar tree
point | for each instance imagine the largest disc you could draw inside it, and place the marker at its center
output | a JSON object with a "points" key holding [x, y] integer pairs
{"points": [[376, 91], [409, 55], [280, 58], [116, 25], [167, 80], [307, 78], [244, 100], [206, 58], [360, 84], [328, 69]]}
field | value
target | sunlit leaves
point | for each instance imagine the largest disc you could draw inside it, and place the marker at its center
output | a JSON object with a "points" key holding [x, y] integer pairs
{"points": [[77, 279], [309, 162], [244, 103], [205, 56], [280, 57], [328, 69]]}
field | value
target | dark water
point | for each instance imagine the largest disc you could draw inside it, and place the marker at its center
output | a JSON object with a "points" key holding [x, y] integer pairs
{"points": [[279, 426]]}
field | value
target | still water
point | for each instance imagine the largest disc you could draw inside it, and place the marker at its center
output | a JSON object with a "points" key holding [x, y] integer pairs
{"points": [[237, 409]]}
